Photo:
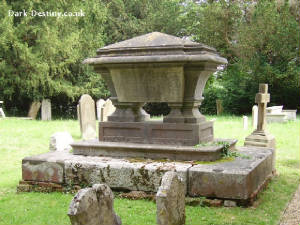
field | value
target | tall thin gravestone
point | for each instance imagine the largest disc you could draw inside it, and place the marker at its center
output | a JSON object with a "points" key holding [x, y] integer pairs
{"points": [[245, 122], [46, 109], [87, 117], [254, 116], [260, 137], [100, 104]]}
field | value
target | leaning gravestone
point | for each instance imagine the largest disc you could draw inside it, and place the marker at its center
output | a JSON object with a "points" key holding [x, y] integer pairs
{"points": [[46, 109], [94, 206], [34, 109], [86, 111], [108, 109], [100, 104], [170, 200]]}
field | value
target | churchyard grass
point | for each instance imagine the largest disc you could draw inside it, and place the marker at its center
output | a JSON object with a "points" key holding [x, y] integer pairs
{"points": [[20, 138]]}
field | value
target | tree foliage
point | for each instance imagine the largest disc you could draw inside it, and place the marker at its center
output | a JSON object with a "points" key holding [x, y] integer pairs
{"points": [[40, 57]]}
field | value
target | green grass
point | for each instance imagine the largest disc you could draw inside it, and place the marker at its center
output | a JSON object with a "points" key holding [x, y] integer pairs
{"points": [[20, 138]]}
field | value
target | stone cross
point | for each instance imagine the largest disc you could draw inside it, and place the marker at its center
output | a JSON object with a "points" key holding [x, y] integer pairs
{"points": [[262, 98]]}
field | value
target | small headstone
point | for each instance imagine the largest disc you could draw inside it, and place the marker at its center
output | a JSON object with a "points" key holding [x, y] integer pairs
{"points": [[87, 117], [33, 110], [46, 109], [100, 104], [60, 141], [93, 206], [245, 122], [254, 116], [2, 114], [170, 200], [219, 107], [108, 109]]}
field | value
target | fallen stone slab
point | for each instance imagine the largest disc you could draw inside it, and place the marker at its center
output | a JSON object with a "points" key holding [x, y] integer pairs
{"points": [[93, 206]]}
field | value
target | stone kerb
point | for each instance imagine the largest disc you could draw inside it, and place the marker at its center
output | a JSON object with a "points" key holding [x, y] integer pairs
{"points": [[93, 206], [170, 200]]}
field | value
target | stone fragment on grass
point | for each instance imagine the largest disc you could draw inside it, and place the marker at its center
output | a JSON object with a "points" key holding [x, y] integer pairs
{"points": [[229, 203], [170, 200], [93, 206], [60, 141]]}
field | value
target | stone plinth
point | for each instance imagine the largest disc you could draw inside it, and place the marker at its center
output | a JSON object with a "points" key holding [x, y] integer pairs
{"points": [[211, 152], [183, 134], [239, 179]]}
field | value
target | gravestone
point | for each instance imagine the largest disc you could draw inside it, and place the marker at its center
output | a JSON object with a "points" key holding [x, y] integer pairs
{"points": [[254, 116], [2, 114], [245, 122], [87, 117], [46, 109], [100, 104], [219, 107], [34, 109], [275, 114], [93, 206], [260, 137], [170, 200], [108, 109], [60, 141]]}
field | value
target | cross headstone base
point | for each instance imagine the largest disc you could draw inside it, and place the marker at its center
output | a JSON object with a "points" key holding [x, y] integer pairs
{"points": [[260, 139]]}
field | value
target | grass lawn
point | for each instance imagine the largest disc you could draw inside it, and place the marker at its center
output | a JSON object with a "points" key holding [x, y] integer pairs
{"points": [[20, 138]]}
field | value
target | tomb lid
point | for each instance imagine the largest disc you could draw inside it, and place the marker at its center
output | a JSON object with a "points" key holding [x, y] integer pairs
{"points": [[155, 47]]}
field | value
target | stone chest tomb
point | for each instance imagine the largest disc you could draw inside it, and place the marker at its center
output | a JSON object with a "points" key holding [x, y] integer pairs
{"points": [[132, 151], [155, 67]]}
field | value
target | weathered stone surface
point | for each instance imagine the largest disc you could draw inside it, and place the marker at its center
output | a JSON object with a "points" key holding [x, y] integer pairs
{"points": [[240, 179], [93, 206], [229, 203], [60, 141], [87, 117], [210, 152], [121, 174], [156, 133], [170, 200], [34, 109], [43, 171], [46, 109], [237, 179], [108, 109], [213, 202]]}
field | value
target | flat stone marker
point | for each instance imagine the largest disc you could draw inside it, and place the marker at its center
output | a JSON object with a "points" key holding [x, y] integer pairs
{"points": [[108, 109], [34, 109], [93, 206], [254, 116], [46, 109], [170, 200], [87, 117], [60, 141], [100, 104]]}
